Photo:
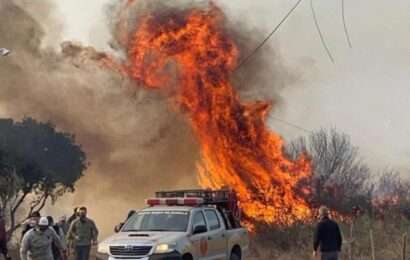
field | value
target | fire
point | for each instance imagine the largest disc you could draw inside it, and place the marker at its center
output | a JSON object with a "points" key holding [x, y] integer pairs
{"points": [[192, 50]]}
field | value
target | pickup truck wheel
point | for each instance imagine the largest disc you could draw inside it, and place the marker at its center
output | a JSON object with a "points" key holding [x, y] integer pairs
{"points": [[234, 257]]}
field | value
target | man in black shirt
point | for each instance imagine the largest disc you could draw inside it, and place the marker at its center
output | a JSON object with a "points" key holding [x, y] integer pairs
{"points": [[327, 237]]}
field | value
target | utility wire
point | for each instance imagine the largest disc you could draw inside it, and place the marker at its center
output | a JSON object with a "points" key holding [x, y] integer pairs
{"points": [[247, 58], [322, 39], [345, 25], [292, 125]]}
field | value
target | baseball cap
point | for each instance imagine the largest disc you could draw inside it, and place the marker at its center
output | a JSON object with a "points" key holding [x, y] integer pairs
{"points": [[43, 221]]}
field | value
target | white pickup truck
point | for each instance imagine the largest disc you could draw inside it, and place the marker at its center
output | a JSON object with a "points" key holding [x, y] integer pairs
{"points": [[179, 228]]}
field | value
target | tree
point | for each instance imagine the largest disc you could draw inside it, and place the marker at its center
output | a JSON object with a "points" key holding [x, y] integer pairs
{"points": [[392, 195], [340, 177], [37, 164]]}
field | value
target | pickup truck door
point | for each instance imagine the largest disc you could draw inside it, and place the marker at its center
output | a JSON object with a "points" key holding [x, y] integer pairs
{"points": [[199, 241], [217, 241]]}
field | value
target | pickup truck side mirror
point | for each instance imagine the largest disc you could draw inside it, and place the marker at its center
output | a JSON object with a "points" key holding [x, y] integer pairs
{"points": [[199, 229], [118, 227]]}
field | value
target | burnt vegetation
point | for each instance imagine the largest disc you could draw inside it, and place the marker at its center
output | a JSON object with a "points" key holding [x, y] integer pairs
{"points": [[341, 179], [363, 200]]}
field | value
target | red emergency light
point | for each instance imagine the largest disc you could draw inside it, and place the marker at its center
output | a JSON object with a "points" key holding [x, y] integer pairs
{"points": [[175, 201]]}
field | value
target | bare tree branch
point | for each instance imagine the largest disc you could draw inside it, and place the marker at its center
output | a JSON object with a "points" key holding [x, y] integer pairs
{"points": [[340, 178]]}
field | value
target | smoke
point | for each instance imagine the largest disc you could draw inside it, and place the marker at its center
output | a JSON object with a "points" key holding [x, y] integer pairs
{"points": [[135, 142], [261, 77]]}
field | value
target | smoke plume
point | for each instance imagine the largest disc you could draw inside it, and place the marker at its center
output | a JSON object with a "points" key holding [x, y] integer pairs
{"points": [[135, 142]]}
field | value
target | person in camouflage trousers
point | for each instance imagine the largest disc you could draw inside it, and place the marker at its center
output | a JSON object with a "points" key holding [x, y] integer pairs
{"points": [[83, 233], [37, 243]]}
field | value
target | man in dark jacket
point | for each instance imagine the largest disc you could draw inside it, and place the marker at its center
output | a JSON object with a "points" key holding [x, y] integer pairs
{"points": [[327, 237]]}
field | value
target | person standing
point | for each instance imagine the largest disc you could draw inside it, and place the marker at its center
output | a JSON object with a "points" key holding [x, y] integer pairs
{"points": [[62, 223], [30, 223], [83, 233], [70, 220], [61, 236], [74, 216], [327, 237], [37, 243], [3, 237]]}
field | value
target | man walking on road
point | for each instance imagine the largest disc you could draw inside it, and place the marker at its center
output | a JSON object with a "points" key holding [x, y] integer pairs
{"points": [[327, 237], [83, 233], [37, 243]]}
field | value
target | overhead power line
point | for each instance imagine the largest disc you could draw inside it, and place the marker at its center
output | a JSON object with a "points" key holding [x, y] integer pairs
{"points": [[345, 25], [247, 58], [292, 125], [322, 38]]}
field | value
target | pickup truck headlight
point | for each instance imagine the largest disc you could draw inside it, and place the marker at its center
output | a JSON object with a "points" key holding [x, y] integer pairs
{"points": [[103, 248], [165, 248]]}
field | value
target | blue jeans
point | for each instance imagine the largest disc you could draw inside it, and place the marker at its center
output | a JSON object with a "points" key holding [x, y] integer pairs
{"points": [[82, 252]]}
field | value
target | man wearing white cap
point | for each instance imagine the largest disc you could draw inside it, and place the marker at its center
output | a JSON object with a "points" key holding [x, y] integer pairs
{"points": [[37, 243]]}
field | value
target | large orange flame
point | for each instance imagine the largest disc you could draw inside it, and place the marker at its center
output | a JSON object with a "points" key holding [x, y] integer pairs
{"points": [[192, 50]]}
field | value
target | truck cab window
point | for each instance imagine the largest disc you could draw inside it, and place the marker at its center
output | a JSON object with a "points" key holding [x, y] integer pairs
{"points": [[165, 221], [212, 219], [198, 220]]}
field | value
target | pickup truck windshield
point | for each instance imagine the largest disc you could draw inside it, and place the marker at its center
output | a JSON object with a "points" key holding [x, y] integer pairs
{"points": [[165, 221]]}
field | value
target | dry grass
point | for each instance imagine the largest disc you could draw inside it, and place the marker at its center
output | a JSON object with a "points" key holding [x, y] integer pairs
{"points": [[295, 243]]}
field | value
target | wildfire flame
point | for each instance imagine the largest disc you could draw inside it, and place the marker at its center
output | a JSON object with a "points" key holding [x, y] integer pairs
{"points": [[192, 50]]}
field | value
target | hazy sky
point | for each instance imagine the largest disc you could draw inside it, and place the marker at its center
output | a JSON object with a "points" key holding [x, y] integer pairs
{"points": [[365, 93]]}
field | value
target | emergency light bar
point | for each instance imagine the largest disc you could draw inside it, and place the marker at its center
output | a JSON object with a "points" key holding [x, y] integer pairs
{"points": [[209, 196], [225, 200], [174, 201]]}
